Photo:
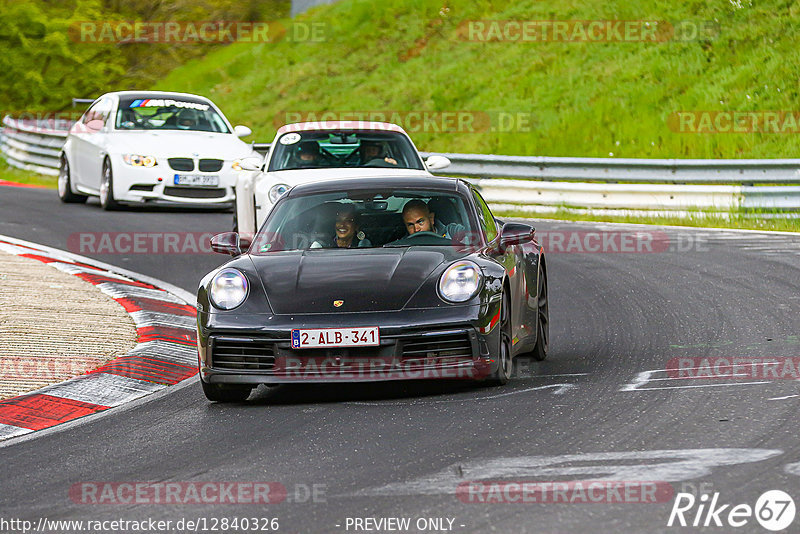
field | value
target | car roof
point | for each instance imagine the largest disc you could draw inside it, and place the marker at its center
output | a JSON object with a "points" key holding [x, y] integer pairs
{"points": [[339, 125], [152, 94], [439, 183]]}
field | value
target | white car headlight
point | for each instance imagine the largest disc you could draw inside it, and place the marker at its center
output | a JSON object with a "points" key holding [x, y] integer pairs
{"points": [[277, 191], [460, 282], [228, 289], [136, 160]]}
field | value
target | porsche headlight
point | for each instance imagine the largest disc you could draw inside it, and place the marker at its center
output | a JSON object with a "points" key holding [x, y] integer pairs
{"points": [[228, 289], [277, 191], [460, 282], [136, 160]]}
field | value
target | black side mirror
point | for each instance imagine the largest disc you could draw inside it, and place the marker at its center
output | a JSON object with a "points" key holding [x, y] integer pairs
{"points": [[229, 243], [515, 234]]}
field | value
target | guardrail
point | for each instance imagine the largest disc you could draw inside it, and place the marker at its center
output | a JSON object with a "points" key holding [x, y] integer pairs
{"points": [[532, 183], [33, 145]]}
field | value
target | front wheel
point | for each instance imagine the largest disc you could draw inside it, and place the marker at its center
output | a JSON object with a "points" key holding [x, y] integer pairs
{"points": [[65, 184], [107, 200], [504, 361], [226, 392]]}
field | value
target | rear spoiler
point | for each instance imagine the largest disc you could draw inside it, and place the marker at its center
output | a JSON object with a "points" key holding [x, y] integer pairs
{"points": [[76, 101]]}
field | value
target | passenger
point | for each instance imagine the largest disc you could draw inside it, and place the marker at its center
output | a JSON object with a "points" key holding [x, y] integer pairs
{"points": [[417, 217], [308, 155], [372, 154], [347, 231]]}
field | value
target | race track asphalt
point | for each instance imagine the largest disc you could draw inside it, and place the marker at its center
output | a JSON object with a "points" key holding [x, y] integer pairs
{"points": [[602, 407]]}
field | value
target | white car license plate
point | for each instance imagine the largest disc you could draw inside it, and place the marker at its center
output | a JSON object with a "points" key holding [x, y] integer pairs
{"points": [[315, 338], [196, 180]]}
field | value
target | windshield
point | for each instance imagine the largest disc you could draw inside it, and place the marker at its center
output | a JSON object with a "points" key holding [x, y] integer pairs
{"points": [[352, 148], [367, 219], [178, 113]]}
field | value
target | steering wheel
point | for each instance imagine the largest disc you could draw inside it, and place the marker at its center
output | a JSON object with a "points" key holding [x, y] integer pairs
{"points": [[419, 238]]}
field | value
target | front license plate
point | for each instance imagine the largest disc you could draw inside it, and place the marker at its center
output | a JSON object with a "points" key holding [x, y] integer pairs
{"points": [[196, 180], [365, 336]]}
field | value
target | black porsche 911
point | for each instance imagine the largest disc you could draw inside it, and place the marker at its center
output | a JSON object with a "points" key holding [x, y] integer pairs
{"points": [[372, 279]]}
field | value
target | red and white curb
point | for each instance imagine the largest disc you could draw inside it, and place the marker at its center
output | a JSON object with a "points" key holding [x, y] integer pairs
{"points": [[165, 354]]}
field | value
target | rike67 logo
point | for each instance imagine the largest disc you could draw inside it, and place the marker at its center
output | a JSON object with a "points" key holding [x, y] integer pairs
{"points": [[774, 510]]}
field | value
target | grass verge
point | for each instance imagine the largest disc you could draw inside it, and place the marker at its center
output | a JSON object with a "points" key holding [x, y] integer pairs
{"points": [[13, 174]]}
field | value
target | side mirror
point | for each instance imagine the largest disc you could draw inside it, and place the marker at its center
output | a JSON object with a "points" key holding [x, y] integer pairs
{"points": [[229, 243], [515, 234], [251, 164], [242, 131], [95, 125], [437, 162]]}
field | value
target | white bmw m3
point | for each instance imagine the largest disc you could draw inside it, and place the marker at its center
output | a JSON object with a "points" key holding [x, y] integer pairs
{"points": [[137, 147]]}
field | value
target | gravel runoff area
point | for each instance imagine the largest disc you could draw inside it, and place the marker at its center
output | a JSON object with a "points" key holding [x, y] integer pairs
{"points": [[54, 326]]}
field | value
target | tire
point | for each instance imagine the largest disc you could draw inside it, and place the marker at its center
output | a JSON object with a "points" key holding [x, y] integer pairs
{"points": [[226, 392], [539, 352], [65, 184], [107, 200], [505, 362]]}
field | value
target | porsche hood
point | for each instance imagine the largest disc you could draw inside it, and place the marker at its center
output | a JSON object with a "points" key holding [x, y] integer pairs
{"points": [[315, 281]]}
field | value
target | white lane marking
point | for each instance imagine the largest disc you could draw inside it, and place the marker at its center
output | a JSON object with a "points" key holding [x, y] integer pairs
{"points": [[645, 377], [560, 389], [793, 469], [11, 431], [660, 465], [104, 389], [784, 398]]}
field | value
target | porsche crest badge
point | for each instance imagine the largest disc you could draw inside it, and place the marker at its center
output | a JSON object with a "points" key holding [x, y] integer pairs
{"points": [[338, 303]]}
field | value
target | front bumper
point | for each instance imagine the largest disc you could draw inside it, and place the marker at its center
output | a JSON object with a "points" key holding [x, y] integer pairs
{"points": [[156, 185], [450, 343]]}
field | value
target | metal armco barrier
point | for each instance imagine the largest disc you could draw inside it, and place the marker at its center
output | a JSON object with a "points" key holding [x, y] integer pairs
{"points": [[672, 185], [33, 146]]}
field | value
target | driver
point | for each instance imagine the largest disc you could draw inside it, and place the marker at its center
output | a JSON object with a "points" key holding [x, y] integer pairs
{"points": [[372, 154], [417, 217], [186, 120]]}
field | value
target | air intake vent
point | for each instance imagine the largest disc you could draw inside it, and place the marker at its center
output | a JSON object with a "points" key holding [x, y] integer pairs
{"points": [[240, 354], [445, 349], [181, 164], [187, 192], [210, 165]]}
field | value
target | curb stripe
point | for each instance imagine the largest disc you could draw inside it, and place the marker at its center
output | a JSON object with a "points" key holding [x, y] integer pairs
{"points": [[148, 369], [103, 388], [139, 304], [165, 353], [37, 411]]}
